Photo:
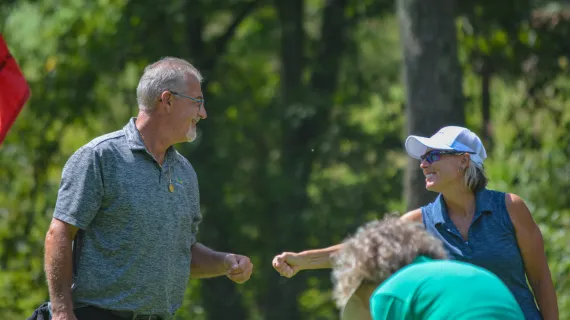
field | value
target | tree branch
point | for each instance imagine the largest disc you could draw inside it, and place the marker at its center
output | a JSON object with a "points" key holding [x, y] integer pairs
{"points": [[221, 42], [376, 9]]}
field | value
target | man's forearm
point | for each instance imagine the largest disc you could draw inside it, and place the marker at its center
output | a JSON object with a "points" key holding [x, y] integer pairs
{"points": [[59, 273], [318, 258], [206, 263]]}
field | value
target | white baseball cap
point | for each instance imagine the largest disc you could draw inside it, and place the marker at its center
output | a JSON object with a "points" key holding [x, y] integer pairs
{"points": [[450, 138]]}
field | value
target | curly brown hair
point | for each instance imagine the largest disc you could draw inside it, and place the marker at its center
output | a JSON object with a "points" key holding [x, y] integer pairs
{"points": [[377, 250]]}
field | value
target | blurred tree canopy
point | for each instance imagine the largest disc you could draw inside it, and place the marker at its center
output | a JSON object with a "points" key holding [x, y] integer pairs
{"points": [[308, 112]]}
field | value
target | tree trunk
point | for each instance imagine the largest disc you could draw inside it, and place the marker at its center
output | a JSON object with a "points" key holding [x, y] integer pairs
{"points": [[486, 74], [220, 295], [278, 300], [432, 77], [306, 111]]}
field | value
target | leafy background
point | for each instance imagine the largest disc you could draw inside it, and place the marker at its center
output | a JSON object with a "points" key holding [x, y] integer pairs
{"points": [[304, 140]]}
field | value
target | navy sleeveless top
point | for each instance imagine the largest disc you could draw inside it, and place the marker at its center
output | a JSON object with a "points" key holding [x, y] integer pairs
{"points": [[491, 244]]}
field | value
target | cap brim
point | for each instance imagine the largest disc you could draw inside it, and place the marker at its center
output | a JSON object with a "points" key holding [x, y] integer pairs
{"points": [[417, 146]]}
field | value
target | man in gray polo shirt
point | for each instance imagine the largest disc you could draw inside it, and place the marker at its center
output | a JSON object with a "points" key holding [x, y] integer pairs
{"points": [[132, 201]]}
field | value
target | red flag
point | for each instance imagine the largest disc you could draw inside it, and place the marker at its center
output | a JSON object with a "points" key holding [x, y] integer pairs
{"points": [[14, 90]]}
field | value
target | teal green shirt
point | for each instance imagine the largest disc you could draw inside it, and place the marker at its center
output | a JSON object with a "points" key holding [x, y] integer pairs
{"points": [[443, 289]]}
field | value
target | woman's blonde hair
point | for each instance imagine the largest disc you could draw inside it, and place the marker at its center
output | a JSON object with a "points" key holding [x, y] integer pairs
{"points": [[378, 250], [475, 177]]}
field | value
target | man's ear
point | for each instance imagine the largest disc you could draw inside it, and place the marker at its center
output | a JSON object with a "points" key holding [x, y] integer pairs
{"points": [[166, 100]]}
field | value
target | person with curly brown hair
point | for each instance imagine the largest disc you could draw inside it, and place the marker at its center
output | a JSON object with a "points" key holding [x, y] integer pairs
{"points": [[392, 269]]}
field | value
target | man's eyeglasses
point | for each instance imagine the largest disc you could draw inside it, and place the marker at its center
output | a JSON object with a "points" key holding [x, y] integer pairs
{"points": [[435, 155], [199, 101]]}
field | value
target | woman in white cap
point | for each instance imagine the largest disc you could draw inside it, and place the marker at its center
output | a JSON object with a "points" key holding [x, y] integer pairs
{"points": [[490, 229]]}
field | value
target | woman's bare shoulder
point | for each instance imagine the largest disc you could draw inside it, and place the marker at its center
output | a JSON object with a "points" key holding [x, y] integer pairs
{"points": [[413, 216]]}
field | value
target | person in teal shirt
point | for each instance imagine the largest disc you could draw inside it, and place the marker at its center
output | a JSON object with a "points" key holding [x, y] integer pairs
{"points": [[392, 269]]}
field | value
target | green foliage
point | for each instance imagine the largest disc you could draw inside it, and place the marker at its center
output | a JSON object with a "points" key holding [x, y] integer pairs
{"points": [[529, 112], [84, 60], [531, 159]]}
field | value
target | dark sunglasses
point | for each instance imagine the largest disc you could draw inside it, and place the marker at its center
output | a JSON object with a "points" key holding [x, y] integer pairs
{"points": [[435, 155]]}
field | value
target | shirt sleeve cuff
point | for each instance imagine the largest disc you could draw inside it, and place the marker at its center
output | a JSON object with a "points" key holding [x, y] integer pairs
{"points": [[70, 220]]}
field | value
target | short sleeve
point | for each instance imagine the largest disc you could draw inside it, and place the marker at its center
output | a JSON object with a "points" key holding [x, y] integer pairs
{"points": [[194, 195], [386, 307], [196, 220], [81, 189]]}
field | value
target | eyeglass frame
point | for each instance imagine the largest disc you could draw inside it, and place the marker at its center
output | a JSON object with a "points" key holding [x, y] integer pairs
{"points": [[428, 156], [199, 101]]}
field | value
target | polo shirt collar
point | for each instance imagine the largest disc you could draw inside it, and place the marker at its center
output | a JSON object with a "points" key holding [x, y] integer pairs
{"points": [[134, 138], [482, 205], [136, 142]]}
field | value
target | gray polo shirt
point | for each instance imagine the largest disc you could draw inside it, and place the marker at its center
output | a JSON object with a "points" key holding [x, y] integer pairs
{"points": [[138, 235]]}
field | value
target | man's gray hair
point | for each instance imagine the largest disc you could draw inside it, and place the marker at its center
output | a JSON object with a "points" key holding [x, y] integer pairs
{"points": [[378, 250], [475, 177], [168, 73]]}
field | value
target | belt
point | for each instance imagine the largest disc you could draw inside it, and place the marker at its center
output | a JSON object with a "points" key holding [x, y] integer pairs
{"points": [[135, 316]]}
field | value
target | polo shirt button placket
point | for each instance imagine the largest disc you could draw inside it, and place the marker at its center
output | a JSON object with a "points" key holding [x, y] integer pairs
{"points": [[468, 250]]}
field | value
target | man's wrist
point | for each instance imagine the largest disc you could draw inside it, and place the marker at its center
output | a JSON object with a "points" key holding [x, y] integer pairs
{"points": [[61, 309], [222, 266]]}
